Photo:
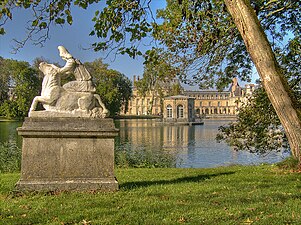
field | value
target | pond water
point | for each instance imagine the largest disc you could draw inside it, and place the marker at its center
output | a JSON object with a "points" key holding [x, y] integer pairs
{"points": [[8, 131], [191, 146], [188, 146]]}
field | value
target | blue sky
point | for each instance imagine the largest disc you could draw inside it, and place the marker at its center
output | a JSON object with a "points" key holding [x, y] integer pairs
{"points": [[75, 38]]}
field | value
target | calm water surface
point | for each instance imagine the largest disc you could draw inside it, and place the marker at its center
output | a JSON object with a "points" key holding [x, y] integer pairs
{"points": [[8, 131], [191, 146]]}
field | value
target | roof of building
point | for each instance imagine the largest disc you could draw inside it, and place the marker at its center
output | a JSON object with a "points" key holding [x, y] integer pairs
{"points": [[179, 96], [205, 92]]}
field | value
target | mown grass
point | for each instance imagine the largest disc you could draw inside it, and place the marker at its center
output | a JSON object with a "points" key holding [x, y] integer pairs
{"points": [[226, 195]]}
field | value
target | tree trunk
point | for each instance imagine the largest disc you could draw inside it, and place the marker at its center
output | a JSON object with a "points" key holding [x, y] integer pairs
{"points": [[269, 71], [150, 109]]}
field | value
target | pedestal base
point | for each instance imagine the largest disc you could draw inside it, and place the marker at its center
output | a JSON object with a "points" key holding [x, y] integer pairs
{"points": [[67, 154], [105, 185]]}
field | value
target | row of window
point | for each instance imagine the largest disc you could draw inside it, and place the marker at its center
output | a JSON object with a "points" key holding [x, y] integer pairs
{"points": [[214, 111], [143, 101], [210, 104], [209, 96], [180, 111]]}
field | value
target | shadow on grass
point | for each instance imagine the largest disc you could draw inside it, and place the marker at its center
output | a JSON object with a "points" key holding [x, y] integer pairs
{"points": [[189, 179]]}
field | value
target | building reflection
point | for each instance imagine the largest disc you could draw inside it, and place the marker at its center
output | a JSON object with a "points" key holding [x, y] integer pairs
{"points": [[191, 146], [150, 135]]}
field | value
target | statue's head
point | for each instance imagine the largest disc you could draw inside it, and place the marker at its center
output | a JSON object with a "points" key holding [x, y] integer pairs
{"points": [[64, 52], [48, 69]]}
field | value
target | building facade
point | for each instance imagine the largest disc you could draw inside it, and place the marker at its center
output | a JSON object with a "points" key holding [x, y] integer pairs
{"points": [[179, 108], [152, 102], [205, 103]]}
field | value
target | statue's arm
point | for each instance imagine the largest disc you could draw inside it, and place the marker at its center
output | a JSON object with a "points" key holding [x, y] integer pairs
{"points": [[69, 67]]}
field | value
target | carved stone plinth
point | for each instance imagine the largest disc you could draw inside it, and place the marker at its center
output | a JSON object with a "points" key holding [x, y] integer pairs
{"points": [[67, 154]]}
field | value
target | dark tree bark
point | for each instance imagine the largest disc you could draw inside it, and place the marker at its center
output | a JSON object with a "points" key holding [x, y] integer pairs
{"points": [[269, 71]]}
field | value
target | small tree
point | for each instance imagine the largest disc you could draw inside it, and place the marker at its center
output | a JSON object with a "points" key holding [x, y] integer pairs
{"points": [[114, 88], [157, 78], [25, 84]]}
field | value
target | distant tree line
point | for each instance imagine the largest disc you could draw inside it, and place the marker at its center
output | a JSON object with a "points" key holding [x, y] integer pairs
{"points": [[20, 82]]}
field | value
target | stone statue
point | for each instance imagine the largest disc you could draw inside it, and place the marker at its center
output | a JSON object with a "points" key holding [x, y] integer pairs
{"points": [[75, 99], [83, 81]]}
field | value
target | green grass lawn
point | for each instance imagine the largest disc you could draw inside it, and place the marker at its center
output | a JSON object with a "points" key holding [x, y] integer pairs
{"points": [[225, 195]]}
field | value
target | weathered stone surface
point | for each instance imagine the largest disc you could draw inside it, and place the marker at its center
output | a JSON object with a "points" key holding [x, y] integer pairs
{"points": [[67, 154]]}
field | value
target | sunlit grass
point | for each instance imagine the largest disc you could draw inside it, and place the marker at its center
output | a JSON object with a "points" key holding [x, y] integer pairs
{"points": [[225, 195]]}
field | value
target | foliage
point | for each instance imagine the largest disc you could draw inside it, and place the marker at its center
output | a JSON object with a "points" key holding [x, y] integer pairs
{"points": [[4, 82], [114, 88], [198, 36], [138, 159], [25, 84], [108, 22], [203, 41], [259, 131], [255, 130], [10, 157], [226, 195], [142, 158]]}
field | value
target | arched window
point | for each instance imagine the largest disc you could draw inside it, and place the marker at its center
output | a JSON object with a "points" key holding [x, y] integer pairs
{"points": [[169, 111], [180, 111]]}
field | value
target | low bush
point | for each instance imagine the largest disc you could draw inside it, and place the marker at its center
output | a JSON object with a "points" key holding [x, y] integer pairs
{"points": [[10, 157]]}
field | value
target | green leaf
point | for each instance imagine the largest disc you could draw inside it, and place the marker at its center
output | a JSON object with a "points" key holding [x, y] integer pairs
{"points": [[69, 19], [35, 23], [2, 31], [43, 25]]}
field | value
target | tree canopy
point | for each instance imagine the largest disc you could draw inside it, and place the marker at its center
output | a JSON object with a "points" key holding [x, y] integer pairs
{"points": [[21, 84], [114, 87]]}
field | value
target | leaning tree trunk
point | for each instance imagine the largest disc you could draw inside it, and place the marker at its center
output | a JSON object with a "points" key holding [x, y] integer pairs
{"points": [[273, 81]]}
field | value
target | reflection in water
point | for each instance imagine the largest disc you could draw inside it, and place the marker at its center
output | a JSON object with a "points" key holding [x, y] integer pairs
{"points": [[192, 146]]}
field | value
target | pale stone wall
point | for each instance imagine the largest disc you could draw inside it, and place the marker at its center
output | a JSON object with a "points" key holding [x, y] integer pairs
{"points": [[213, 102], [67, 154], [181, 109]]}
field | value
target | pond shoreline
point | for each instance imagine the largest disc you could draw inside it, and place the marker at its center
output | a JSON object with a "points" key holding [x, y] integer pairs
{"points": [[2, 119]]}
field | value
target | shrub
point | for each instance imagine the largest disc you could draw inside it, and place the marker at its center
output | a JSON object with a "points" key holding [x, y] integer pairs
{"points": [[10, 157]]}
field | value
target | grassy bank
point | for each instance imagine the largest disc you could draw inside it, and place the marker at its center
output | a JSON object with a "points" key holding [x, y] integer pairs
{"points": [[231, 195]]}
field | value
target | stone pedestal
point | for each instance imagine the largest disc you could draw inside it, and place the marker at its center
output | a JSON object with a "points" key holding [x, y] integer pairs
{"points": [[67, 154]]}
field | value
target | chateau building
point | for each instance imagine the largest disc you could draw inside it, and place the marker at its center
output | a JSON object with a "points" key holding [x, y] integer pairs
{"points": [[203, 103], [215, 103], [152, 102]]}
